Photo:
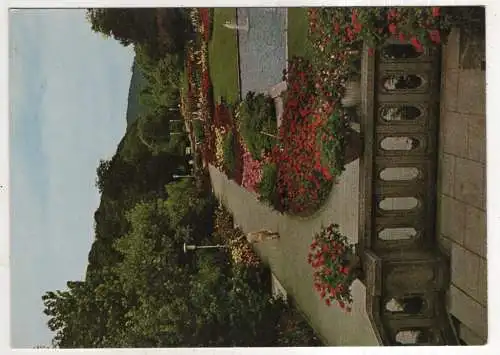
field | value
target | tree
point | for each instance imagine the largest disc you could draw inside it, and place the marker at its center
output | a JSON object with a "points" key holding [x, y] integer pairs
{"points": [[103, 172], [71, 311], [128, 26], [155, 132], [160, 31]]}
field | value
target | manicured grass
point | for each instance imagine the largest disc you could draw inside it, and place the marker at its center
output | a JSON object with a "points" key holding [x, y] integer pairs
{"points": [[223, 56], [298, 44]]}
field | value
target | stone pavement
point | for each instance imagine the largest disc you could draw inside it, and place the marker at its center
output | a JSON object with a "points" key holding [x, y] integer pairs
{"points": [[262, 49], [287, 256], [461, 212]]}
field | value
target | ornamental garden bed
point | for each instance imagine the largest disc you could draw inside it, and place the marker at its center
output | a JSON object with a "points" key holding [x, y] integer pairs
{"points": [[294, 168]]}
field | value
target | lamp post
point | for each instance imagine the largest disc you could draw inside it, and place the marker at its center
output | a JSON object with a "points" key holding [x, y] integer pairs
{"points": [[189, 247]]}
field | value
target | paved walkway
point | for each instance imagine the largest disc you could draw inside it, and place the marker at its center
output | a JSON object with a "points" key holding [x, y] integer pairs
{"points": [[262, 48], [287, 256], [263, 54]]}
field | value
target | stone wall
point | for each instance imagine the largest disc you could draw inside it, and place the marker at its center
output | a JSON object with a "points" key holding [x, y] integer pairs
{"points": [[461, 214]]}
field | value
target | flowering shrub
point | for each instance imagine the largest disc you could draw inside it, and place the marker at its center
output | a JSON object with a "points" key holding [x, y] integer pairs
{"points": [[252, 172], [233, 150], [341, 28], [222, 116], [223, 220], [200, 20], [220, 133], [331, 257], [240, 251], [238, 153], [337, 35], [304, 179], [205, 23]]}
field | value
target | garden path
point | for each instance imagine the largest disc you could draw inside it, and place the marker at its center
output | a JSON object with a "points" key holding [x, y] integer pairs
{"points": [[287, 257], [262, 49], [263, 56]]}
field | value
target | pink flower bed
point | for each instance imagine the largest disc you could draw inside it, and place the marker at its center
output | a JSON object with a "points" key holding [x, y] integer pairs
{"points": [[252, 171]]}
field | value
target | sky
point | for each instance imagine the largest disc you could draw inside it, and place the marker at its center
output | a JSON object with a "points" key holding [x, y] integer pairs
{"points": [[68, 99]]}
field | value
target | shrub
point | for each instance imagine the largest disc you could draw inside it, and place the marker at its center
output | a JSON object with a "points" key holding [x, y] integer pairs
{"points": [[257, 114], [229, 153], [198, 130], [240, 251], [301, 174], [219, 147], [293, 330], [252, 171], [267, 185], [331, 141]]}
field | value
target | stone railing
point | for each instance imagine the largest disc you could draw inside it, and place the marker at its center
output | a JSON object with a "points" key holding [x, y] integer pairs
{"points": [[405, 274]]}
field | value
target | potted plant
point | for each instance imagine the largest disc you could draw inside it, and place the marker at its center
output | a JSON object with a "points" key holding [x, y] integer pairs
{"points": [[336, 265]]}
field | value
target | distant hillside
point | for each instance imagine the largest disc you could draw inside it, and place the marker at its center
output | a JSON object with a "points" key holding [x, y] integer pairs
{"points": [[137, 82]]}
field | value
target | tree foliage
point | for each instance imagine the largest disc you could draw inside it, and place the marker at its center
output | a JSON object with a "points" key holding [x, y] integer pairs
{"points": [[140, 288], [160, 31]]}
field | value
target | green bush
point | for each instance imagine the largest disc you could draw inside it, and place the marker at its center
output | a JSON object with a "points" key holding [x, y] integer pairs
{"points": [[198, 131], [333, 148], [293, 330], [229, 153], [257, 114], [267, 186]]}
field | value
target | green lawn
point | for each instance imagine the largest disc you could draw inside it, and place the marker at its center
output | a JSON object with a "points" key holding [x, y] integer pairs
{"points": [[298, 44], [223, 56]]}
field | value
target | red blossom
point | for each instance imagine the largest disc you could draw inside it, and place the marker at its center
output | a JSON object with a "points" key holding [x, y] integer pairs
{"points": [[392, 14], [358, 27], [392, 28], [354, 16], [435, 37], [205, 20], [436, 11], [416, 43], [350, 34]]}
